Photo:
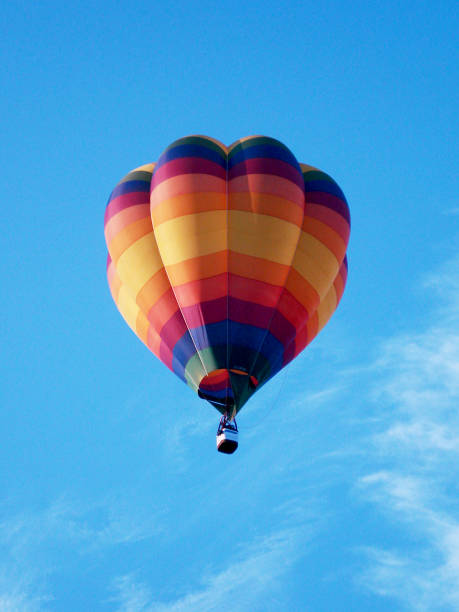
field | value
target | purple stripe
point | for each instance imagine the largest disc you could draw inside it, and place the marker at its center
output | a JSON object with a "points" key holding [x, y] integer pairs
{"points": [[249, 313], [240, 311], [205, 313], [289, 354], [173, 330], [330, 201], [187, 165], [126, 201], [282, 329], [268, 166]]}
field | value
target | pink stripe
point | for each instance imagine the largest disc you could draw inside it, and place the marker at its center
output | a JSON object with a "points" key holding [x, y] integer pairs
{"points": [[111, 273], [330, 217], [124, 218], [171, 333], [187, 183], [267, 183], [125, 201]]}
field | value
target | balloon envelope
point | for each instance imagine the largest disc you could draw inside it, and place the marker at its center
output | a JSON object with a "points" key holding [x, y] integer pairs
{"points": [[226, 261]]}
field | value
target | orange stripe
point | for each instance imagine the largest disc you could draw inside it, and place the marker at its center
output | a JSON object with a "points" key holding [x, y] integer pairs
{"points": [[128, 236], [302, 291], [326, 236], [153, 290], [330, 217], [257, 268], [125, 217], [187, 204], [186, 183], [266, 204], [198, 268]]}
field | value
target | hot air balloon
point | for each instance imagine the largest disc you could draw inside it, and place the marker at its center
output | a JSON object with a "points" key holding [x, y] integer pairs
{"points": [[226, 262]]}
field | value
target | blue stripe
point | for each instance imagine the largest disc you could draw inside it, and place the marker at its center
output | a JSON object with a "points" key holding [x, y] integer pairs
{"points": [[325, 187], [182, 353], [264, 151], [190, 150], [238, 335], [241, 337], [129, 187]]}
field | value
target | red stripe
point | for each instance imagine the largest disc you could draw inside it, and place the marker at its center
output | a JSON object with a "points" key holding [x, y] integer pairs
{"points": [[187, 165], [330, 217], [268, 166]]}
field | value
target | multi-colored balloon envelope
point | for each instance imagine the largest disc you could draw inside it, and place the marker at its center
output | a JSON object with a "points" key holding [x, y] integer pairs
{"points": [[226, 261]]}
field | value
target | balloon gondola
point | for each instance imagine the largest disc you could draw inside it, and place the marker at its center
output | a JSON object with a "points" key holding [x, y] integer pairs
{"points": [[227, 435], [226, 261]]}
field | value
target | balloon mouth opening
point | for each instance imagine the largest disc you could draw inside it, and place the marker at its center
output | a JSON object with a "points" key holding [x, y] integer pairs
{"points": [[218, 386]]}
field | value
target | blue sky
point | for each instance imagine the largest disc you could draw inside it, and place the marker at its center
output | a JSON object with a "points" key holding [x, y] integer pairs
{"points": [[343, 494]]}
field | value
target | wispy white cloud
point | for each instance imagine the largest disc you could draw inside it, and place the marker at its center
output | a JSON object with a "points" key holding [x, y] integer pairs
{"points": [[411, 478], [130, 595], [89, 525], [249, 582], [418, 443], [424, 574], [28, 542]]}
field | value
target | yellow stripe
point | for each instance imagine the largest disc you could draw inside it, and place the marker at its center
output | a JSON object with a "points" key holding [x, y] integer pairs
{"points": [[139, 263], [192, 236], [326, 308], [307, 168], [236, 142], [145, 168], [315, 263], [201, 234], [141, 326], [127, 307], [263, 236]]}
